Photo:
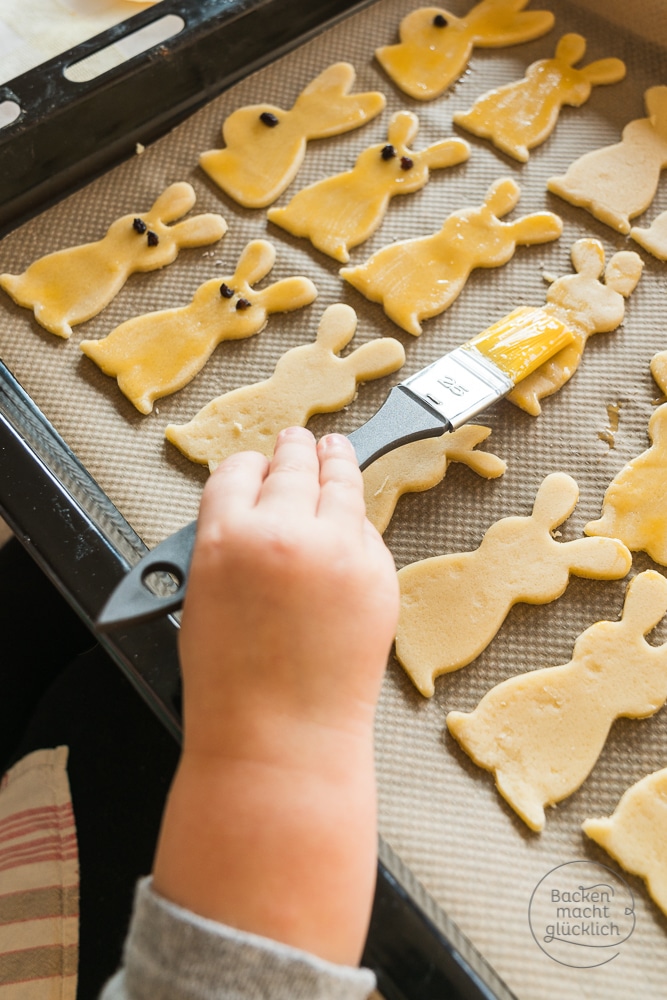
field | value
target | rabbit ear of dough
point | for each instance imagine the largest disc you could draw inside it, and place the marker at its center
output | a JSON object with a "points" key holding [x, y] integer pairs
{"points": [[328, 106], [556, 499], [539, 227], [458, 447], [287, 294], [503, 23], [403, 128], [199, 230], [646, 601], [174, 202], [608, 560], [655, 99], [376, 358], [623, 272], [446, 153], [604, 71], [571, 48], [337, 327], [658, 369], [339, 78], [502, 196], [588, 257], [657, 427], [255, 262]]}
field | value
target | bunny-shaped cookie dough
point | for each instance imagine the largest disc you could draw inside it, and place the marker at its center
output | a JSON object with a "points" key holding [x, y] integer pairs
{"points": [[634, 507], [435, 46], [586, 306], [157, 354], [422, 464], [653, 238], [307, 380], [541, 732], [71, 286], [265, 145], [521, 115], [340, 212], [618, 182], [635, 833], [420, 278], [453, 605], [659, 370]]}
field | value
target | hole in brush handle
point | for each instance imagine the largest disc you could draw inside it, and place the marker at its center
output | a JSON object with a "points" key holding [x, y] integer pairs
{"points": [[134, 600]]}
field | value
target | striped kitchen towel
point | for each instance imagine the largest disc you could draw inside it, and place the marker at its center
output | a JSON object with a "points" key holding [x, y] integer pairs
{"points": [[39, 881]]}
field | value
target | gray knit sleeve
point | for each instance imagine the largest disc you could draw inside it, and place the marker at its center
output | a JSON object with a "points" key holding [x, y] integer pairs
{"points": [[172, 954]]}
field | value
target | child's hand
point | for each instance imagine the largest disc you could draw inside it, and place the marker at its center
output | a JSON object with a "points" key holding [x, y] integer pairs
{"points": [[290, 612], [292, 601]]}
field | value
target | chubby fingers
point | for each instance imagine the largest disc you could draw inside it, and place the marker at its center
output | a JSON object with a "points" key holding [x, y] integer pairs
{"points": [[291, 488], [341, 486], [303, 479], [233, 488]]}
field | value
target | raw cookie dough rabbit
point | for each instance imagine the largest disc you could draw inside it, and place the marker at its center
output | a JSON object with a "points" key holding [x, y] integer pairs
{"points": [[635, 833], [308, 379], [521, 115], [586, 305], [420, 465], [158, 353], [618, 182], [659, 370], [265, 145], [71, 286], [654, 237], [435, 46], [634, 507], [453, 605], [420, 278], [341, 212], [541, 733]]}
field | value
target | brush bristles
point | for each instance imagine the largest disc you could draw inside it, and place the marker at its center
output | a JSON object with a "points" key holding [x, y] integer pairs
{"points": [[522, 341]]}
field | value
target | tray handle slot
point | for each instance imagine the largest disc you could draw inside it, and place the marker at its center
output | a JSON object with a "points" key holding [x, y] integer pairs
{"points": [[9, 112], [116, 53]]}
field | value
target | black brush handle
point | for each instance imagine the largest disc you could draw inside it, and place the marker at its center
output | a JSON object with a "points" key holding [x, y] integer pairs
{"points": [[401, 419], [132, 603]]}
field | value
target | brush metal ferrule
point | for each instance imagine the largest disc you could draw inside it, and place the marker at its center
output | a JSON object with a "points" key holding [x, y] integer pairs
{"points": [[460, 385]]}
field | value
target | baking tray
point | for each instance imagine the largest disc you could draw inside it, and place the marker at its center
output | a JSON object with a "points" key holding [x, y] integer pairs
{"points": [[449, 845], [67, 132], [85, 546]]}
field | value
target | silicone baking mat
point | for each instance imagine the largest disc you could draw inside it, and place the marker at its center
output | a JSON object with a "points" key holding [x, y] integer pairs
{"points": [[439, 813]]}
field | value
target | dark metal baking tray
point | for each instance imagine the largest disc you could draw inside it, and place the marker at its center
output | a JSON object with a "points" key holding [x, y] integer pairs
{"points": [[65, 134], [67, 131]]}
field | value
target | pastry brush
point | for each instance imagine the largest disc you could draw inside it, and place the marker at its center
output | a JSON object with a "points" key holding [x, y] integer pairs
{"points": [[435, 400]]}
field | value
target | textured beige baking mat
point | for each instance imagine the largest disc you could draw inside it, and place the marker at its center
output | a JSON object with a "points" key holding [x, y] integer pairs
{"points": [[439, 813]]}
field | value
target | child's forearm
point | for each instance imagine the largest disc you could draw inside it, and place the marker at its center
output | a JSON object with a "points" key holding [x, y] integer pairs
{"points": [[283, 848], [290, 612]]}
